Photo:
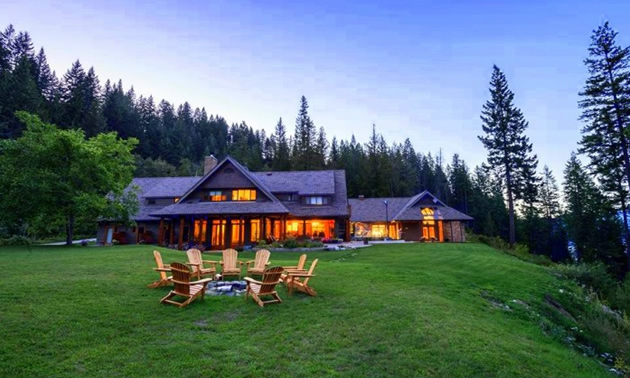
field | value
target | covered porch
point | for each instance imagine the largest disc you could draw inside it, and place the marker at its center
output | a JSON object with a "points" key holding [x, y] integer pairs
{"points": [[237, 231]]}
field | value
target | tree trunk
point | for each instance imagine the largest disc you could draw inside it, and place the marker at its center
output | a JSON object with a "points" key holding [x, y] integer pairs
{"points": [[69, 229], [626, 157], [508, 181], [625, 232]]}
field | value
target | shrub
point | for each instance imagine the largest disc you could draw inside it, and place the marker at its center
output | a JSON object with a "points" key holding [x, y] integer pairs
{"points": [[620, 298], [291, 243], [594, 276], [520, 251], [16, 240]]}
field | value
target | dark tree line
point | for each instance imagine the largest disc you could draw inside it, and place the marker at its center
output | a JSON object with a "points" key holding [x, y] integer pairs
{"points": [[508, 197]]}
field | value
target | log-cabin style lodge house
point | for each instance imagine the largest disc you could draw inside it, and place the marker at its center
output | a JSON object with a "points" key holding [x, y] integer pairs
{"points": [[229, 206]]}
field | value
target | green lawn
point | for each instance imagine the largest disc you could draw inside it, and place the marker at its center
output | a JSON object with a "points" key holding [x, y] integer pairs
{"points": [[403, 310]]}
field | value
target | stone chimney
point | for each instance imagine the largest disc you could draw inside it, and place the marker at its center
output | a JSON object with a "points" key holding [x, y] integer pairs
{"points": [[361, 197], [209, 163]]}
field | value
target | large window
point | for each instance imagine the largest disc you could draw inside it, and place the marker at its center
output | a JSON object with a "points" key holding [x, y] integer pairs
{"points": [[244, 195], [216, 196], [237, 232], [316, 200], [199, 231], [255, 226], [218, 233], [315, 228]]}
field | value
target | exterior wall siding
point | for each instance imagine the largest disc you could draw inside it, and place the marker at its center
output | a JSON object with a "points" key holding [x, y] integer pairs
{"points": [[410, 231]]}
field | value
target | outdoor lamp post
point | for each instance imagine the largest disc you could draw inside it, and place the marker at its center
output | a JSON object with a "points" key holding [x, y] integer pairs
{"points": [[386, 202]]}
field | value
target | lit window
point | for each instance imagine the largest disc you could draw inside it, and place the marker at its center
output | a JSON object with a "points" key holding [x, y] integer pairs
{"points": [[244, 195], [216, 196], [175, 199], [316, 200]]}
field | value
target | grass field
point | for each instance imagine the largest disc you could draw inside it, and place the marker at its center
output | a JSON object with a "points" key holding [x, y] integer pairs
{"points": [[404, 310]]}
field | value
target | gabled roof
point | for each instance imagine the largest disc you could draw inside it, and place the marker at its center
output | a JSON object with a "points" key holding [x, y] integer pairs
{"points": [[400, 209], [414, 200], [244, 171]]}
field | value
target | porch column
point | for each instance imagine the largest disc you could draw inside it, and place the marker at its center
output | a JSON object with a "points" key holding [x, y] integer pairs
{"points": [[263, 229], [172, 232], [180, 242], [304, 228], [161, 232], [347, 226], [283, 235]]}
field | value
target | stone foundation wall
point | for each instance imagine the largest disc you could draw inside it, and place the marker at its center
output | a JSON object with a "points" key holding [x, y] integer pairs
{"points": [[454, 231]]}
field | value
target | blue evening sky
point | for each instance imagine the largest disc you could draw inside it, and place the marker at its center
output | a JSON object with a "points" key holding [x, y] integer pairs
{"points": [[417, 69]]}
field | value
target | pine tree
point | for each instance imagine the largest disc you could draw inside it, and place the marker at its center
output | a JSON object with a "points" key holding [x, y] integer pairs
{"points": [[321, 149], [333, 158], [592, 226], [304, 140], [606, 105], [460, 183], [282, 159], [6, 49], [508, 148]]}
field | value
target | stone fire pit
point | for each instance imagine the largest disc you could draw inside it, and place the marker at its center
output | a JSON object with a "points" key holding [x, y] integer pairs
{"points": [[227, 288]]}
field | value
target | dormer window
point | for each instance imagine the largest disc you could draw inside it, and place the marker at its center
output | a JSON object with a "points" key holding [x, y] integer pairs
{"points": [[316, 200], [244, 195]]}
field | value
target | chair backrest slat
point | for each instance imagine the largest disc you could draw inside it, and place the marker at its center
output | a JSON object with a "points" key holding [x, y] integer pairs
{"points": [[302, 261], [310, 271], [181, 278], [160, 264], [270, 280], [194, 257], [229, 258], [262, 258]]}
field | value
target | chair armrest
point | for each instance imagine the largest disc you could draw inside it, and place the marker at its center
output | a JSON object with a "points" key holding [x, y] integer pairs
{"points": [[193, 264], [240, 262], [205, 280], [250, 261], [251, 280], [210, 262], [267, 264], [162, 269]]}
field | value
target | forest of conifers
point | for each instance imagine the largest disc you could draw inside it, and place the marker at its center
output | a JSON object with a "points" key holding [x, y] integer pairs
{"points": [[580, 219]]}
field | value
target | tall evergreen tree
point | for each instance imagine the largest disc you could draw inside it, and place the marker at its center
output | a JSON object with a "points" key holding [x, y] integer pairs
{"points": [[606, 108], [592, 226], [508, 147], [304, 140], [282, 158]]}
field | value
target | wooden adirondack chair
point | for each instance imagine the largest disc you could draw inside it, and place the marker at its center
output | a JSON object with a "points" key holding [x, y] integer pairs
{"points": [[299, 280], [259, 264], [164, 279], [184, 287], [197, 264], [229, 264], [298, 267], [267, 286]]}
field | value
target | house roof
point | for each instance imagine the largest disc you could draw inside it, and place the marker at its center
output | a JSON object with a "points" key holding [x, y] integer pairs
{"points": [[158, 187], [301, 182], [332, 183], [223, 208], [400, 209], [338, 206], [373, 209]]}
